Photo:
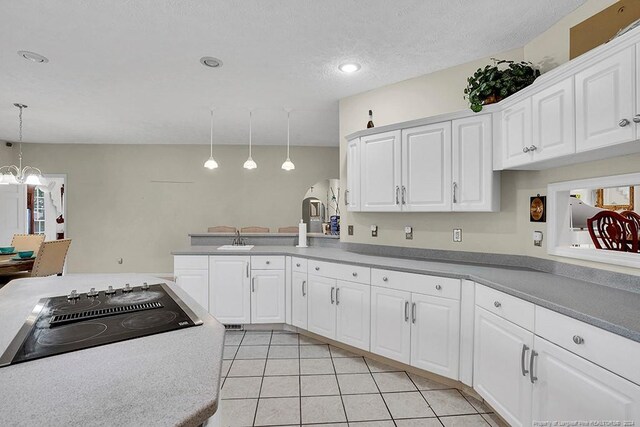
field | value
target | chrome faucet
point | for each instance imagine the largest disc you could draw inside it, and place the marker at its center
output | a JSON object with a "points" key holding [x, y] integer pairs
{"points": [[238, 241]]}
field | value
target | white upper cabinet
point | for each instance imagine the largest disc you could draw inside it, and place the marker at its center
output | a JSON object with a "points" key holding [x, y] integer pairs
{"points": [[516, 134], [267, 296], [229, 289], [352, 193], [605, 102], [380, 172], [553, 121], [426, 168], [475, 186]]}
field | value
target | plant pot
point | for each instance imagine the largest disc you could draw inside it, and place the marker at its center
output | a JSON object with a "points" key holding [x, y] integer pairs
{"points": [[491, 99]]}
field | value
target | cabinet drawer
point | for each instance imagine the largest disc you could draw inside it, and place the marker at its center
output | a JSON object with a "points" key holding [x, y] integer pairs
{"points": [[611, 351], [267, 263], [190, 262], [299, 264], [511, 308], [418, 283], [350, 273]]}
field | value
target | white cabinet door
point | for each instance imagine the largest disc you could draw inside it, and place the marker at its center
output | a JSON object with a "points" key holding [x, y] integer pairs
{"points": [[604, 97], [426, 168], [353, 323], [516, 134], [195, 283], [229, 289], [267, 296], [299, 299], [475, 184], [570, 388], [390, 324], [435, 334], [321, 308], [501, 351], [352, 194], [380, 172], [554, 121]]}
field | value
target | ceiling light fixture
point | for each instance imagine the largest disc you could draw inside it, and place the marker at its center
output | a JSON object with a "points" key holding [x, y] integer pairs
{"points": [[32, 56], [210, 61], [17, 174], [211, 163], [250, 164], [288, 164], [349, 67]]}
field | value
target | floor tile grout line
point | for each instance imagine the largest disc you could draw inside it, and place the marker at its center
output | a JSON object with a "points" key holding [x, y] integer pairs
{"points": [[255, 415], [299, 379], [425, 399], [380, 391], [335, 372]]}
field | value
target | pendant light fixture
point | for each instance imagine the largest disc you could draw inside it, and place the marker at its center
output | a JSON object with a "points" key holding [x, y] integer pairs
{"points": [[211, 163], [12, 174], [250, 164], [288, 164]]}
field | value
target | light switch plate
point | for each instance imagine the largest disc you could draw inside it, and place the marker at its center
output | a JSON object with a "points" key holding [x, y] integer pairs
{"points": [[374, 231], [457, 235], [408, 232], [350, 230]]}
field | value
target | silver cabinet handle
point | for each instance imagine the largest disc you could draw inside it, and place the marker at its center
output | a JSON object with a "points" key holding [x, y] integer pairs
{"points": [[268, 262], [337, 296], [622, 123], [455, 187], [578, 339], [332, 291], [354, 274], [497, 304], [413, 312], [404, 195], [317, 268], [525, 149], [247, 265], [438, 287], [636, 118], [346, 197], [532, 377], [253, 284], [533, 148], [525, 348], [397, 195], [385, 279], [304, 294], [406, 311]]}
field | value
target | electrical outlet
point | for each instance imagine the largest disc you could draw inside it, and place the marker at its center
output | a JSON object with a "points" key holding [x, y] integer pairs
{"points": [[408, 232], [350, 230], [457, 235], [374, 231]]}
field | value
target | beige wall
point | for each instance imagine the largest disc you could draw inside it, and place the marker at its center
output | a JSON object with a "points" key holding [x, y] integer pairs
{"points": [[114, 210], [508, 231]]}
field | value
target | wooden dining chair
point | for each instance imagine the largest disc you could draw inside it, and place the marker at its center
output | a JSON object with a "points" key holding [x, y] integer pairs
{"points": [[222, 229], [288, 230], [611, 231], [27, 242], [50, 260], [254, 229], [635, 217]]}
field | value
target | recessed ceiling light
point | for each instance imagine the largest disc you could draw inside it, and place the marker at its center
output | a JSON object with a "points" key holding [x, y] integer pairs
{"points": [[210, 61], [32, 56], [349, 67]]}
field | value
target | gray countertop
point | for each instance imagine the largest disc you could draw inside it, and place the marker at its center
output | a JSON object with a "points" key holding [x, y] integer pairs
{"points": [[165, 379], [608, 308]]}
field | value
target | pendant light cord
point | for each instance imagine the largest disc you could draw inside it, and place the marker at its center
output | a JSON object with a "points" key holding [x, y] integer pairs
{"points": [[211, 153], [288, 114], [20, 135], [250, 114]]}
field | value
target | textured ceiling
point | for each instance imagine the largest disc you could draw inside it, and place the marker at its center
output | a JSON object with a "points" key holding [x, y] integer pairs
{"points": [[129, 72]]}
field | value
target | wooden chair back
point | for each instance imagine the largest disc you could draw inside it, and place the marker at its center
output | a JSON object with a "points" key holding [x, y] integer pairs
{"points": [[633, 216], [288, 230], [27, 242], [50, 259], [222, 229], [611, 231], [254, 229]]}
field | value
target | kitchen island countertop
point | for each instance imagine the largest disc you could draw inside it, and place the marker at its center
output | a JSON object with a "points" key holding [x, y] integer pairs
{"points": [[167, 379]]}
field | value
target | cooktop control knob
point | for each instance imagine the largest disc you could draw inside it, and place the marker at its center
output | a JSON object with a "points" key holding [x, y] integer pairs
{"points": [[73, 295], [92, 293], [126, 289], [110, 291], [145, 286]]}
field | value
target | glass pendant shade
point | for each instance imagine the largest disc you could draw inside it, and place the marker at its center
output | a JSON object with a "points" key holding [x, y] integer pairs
{"points": [[288, 164], [33, 180], [250, 163], [211, 162]]}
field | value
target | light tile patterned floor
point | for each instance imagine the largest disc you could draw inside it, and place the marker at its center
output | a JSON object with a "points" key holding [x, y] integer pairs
{"points": [[275, 378]]}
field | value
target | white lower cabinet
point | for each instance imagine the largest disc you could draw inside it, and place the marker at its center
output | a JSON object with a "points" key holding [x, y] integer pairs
{"points": [[267, 296], [570, 388], [500, 355], [353, 308], [435, 334], [191, 274], [321, 309], [229, 288], [390, 325], [299, 299]]}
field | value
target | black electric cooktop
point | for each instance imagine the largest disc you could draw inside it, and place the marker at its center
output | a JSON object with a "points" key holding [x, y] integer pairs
{"points": [[72, 322]]}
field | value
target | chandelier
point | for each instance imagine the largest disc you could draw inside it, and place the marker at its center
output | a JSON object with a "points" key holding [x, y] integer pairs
{"points": [[13, 174]]}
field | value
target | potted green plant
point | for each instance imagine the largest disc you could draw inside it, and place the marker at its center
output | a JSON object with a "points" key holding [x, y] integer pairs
{"points": [[495, 82]]}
